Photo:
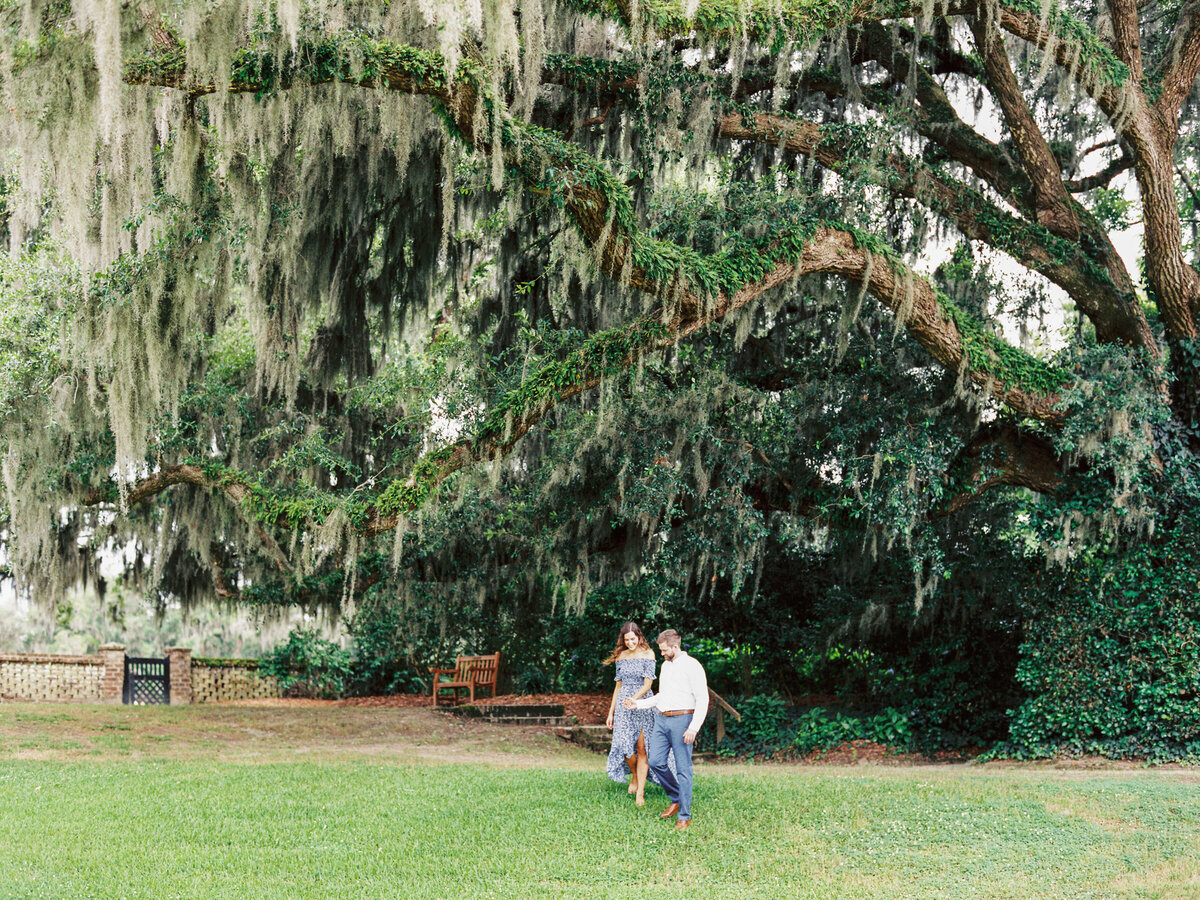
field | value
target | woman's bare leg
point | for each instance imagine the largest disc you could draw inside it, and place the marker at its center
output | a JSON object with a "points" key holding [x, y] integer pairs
{"points": [[632, 762], [643, 766]]}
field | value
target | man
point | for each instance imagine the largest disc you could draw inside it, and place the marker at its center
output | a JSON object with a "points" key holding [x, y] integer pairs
{"points": [[682, 704]]}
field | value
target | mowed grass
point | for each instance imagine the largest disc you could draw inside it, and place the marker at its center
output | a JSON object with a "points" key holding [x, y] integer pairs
{"points": [[74, 823]]}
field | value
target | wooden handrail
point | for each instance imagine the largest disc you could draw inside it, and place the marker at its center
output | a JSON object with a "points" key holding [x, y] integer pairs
{"points": [[723, 704], [723, 707]]}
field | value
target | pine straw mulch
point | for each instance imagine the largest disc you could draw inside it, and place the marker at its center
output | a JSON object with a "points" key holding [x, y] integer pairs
{"points": [[852, 752]]}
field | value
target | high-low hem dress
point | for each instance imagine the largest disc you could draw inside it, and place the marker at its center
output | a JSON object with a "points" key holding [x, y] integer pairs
{"points": [[629, 723]]}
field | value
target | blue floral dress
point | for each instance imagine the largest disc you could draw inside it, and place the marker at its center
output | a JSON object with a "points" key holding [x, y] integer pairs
{"points": [[629, 723]]}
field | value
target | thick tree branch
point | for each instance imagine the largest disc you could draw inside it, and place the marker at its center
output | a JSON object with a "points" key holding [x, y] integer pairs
{"points": [[1002, 454], [1151, 133], [1052, 204], [1102, 292], [1111, 305], [1073, 44], [224, 588], [1102, 178], [1098, 283], [1076, 49], [168, 476], [1115, 313], [1180, 65], [1127, 37], [935, 118]]}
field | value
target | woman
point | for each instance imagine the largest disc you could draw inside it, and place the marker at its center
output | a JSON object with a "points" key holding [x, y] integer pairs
{"points": [[634, 674]]}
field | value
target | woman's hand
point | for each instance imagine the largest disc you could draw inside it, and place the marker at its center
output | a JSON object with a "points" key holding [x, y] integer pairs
{"points": [[609, 721]]}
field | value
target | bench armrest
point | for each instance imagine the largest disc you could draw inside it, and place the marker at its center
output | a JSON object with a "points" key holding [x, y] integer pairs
{"points": [[434, 671]]}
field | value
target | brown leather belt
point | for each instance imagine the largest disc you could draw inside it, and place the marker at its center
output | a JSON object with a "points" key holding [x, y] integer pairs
{"points": [[676, 712]]}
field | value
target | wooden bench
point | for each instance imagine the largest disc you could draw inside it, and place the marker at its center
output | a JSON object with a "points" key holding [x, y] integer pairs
{"points": [[469, 673]]}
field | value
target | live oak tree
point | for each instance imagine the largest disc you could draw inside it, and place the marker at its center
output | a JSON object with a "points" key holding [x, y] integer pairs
{"points": [[503, 300]]}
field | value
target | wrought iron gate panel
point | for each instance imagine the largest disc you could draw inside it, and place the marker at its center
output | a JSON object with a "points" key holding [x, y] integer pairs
{"points": [[147, 680]]}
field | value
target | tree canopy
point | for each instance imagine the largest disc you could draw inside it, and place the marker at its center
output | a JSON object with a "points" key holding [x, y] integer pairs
{"points": [[813, 310]]}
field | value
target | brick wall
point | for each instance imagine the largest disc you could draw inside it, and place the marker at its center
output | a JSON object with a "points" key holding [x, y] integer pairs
{"points": [[179, 673], [230, 679], [100, 677], [53, 677]]}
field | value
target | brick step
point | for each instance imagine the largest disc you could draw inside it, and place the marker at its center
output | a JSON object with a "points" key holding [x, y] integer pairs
{"points": [[593, 737], [553, 721], [496, 711]]}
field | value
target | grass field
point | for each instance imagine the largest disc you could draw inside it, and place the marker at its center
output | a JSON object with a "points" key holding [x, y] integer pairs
{"points": [[294, 803]]}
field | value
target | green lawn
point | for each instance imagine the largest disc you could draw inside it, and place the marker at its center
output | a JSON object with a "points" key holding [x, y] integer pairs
{"points": [[81, 821]]}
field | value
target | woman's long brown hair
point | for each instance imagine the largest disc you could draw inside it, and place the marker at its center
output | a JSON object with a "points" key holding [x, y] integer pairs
{"points": [[643, 644]]}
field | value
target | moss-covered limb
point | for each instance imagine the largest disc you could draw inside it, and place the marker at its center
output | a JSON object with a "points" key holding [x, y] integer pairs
{"points": [[1175, 76], [1102, 290], [956, 339], [606, 80], [594, 200], [1074, 46], [1103, 178], [850, 152], [1052, 204], [700, 288], [602, 209], [238, 488], [1112, 307], [1000, 454], [346, 56], [591, 74], [1127, 38], [934, 116], [786, 21]]}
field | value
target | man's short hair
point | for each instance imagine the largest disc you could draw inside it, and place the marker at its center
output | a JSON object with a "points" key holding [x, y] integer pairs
{"points": [[670, 636]]}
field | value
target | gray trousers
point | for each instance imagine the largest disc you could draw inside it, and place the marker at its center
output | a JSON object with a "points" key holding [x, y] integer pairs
{"points": [[667, 736]]}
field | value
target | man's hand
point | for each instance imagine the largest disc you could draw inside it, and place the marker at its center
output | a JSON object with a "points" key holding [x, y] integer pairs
{"points": [[689, 735], [628, 703]]}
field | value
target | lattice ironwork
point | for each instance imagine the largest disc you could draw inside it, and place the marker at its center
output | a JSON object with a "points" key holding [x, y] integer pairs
{"points": [[147, 680]]}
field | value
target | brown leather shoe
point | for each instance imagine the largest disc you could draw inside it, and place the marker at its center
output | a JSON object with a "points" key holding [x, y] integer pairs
{"points": [[682, 824], [670, 811]]}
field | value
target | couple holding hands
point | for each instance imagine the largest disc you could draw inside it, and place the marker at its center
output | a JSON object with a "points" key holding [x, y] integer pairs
{"points": [[653, 734]]}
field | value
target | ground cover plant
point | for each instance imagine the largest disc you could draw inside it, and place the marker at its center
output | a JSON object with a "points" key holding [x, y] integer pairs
{"points": [[319, 801]]}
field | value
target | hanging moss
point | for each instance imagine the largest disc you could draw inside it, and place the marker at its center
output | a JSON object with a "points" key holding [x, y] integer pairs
{"points": [[990, 354]]}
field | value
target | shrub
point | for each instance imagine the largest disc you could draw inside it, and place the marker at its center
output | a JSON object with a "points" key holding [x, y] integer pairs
{"points": [[382, 663], [764, 727], [307, 665], [531, 681], [767, 727]]}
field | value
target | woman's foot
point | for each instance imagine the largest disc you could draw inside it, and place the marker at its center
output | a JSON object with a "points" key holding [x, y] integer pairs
{"points": [[640, 801], [632, 787]]}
